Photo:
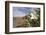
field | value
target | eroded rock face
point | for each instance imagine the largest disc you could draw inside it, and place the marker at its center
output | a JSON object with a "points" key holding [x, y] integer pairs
{"points": [[21, 22]]}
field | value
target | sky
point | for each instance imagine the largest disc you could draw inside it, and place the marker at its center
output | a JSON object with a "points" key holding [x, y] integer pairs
{"points": [[21, 11]]}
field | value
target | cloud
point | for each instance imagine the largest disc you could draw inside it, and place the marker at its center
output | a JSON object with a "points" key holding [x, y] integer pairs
{"points": [[21, 11]]}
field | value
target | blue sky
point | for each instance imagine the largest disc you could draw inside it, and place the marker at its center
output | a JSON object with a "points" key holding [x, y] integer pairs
{"points": [[21, 11]]}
